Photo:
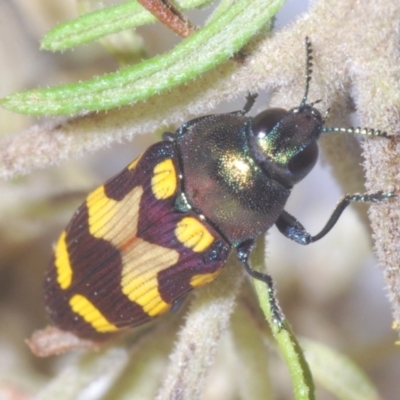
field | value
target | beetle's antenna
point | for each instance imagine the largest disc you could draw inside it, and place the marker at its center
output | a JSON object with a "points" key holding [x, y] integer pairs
{"points": [[357, 131], [309, 66]]}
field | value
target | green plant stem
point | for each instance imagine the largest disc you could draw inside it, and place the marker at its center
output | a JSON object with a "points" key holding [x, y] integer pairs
{"points": [[290, 349]]}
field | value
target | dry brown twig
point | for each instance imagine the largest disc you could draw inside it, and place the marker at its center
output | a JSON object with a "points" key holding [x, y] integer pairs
{"points": [[169, 15]]}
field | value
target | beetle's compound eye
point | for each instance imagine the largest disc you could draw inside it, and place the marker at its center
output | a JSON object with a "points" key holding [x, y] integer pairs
{"points": [[303, 162], [284, 143], [264, 122]]}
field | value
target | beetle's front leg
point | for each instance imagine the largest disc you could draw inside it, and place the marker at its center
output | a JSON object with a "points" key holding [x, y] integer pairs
{"points": [[243, 254], [294, 230]]}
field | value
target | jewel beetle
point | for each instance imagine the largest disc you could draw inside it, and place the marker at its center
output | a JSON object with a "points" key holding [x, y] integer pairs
{"points": [[166, 223]]}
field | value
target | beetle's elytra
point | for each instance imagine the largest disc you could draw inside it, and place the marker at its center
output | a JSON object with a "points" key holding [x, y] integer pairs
{"points": [[167, 223]]}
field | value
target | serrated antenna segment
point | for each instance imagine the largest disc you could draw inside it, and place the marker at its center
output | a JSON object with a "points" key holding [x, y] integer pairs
{"points": [[357, 131], [309, 66]]}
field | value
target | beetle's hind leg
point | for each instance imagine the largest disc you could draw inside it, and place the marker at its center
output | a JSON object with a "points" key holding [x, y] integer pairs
{"points": [[243, 253]]}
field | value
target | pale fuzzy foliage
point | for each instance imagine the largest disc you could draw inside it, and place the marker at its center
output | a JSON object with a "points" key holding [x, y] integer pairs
{"points": [[194, 354], [355, 52]]}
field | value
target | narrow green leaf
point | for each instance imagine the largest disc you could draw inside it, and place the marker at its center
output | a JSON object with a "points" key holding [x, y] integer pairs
{"points": [[337, 373], [290, 349], [205, 49], [96, 24]]}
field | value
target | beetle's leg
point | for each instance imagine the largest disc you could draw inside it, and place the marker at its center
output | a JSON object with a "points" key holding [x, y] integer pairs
{"points": [[169, 136], [243, 254], [177, 304], [250, 100], [294, 230]]}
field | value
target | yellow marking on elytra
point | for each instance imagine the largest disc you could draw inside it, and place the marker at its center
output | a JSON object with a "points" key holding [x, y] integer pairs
{"points": [[117, 222], [134, 163], [83, 307], [112, 220], [142, 262], [202, 279], [164, 180], [62, 263], [193, 234]]}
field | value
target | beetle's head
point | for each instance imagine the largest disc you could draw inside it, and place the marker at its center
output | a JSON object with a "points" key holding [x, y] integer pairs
{"points": [[284, 143]]}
